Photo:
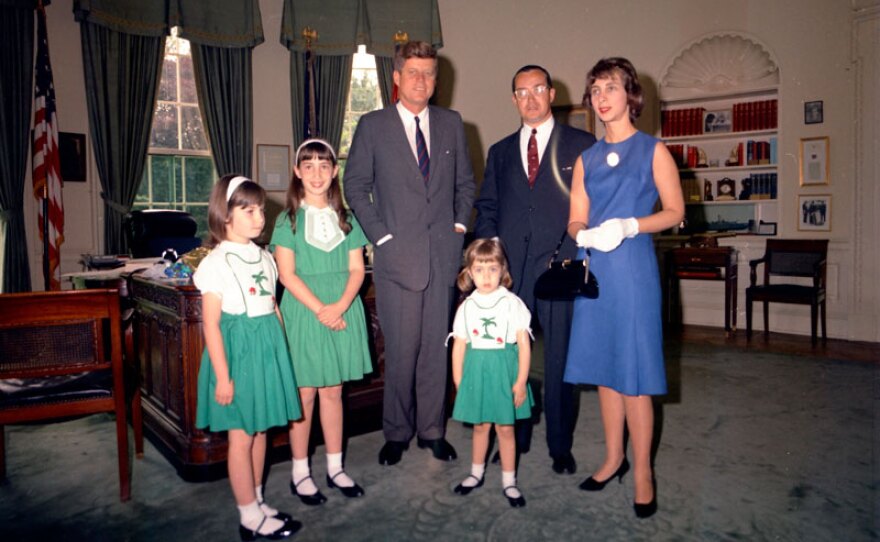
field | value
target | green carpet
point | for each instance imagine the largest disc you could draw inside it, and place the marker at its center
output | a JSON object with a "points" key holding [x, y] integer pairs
{"points": [[750, 447]]}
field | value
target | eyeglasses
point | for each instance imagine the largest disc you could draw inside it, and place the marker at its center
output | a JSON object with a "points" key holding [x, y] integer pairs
{"points": [[536, 91]]}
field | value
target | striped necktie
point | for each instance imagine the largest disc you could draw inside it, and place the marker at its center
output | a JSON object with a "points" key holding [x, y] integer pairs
{"points": [[422, 151]]}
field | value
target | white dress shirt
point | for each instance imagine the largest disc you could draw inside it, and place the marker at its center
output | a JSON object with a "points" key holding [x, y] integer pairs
{"points": [[542, 137]]}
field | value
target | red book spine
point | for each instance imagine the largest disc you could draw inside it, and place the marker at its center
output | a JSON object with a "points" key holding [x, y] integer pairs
{"points": [[774, 113]]}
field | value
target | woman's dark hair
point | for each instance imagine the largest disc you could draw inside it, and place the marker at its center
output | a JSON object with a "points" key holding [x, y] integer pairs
{"points": [[321, 150], [607, 68], [220, 210]]}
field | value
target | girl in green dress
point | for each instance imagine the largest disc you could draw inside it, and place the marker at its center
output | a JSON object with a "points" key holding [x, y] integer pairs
{"points": [[246, 384], [318, 246], [491, 353]]}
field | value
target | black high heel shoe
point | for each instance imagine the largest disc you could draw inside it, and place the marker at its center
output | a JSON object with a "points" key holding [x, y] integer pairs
{"points": [[648, 509], [314, 499], [287, 529], [350, 492], [591, 484]]}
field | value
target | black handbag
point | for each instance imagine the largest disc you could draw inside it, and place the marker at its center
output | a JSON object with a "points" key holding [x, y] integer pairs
{"points": [[564, 280]]}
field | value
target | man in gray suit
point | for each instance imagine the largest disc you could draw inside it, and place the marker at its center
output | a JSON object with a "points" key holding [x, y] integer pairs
{"points": [[409, 181]]}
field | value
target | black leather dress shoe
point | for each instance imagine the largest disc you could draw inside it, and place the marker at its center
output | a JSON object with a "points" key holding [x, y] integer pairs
{"points": [[350, 492], [564, 464], [314, 499], [441, 449], [462, 489], [283, 532], [515, 502], [391, 452]]}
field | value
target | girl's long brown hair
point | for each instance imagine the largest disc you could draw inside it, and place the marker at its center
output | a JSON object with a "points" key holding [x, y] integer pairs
{"points": [[296, 192], [220, 211]]}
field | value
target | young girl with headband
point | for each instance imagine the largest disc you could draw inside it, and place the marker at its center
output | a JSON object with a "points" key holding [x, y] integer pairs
{"points": [[246, 384], [318, 246]]}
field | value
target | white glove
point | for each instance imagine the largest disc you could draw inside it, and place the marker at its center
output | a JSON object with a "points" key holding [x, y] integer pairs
{"points": [[609, 234]]}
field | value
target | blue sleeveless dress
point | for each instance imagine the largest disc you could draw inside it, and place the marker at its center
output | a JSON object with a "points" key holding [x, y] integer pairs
{"points": [[617, 339]]}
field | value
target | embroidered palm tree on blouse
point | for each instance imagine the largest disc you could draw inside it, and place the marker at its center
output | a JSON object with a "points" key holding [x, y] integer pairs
{"points": [[486, 323], [259, 278]]}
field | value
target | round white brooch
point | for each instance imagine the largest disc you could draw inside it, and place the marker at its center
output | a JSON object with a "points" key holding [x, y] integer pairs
{"points": [[613, 159]]}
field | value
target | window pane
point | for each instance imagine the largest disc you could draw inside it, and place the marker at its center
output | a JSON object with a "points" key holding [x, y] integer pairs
{"points": [[193, 134], [364, 91], [187, 81], [199, 178], [166, 175], [168, 83], [164, 132], [143, 193]]}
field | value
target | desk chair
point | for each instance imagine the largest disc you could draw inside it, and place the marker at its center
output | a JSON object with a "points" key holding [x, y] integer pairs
{"points": [[790, 258], [62, 357]]}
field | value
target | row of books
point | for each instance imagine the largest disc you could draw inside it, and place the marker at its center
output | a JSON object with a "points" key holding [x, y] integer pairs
{"points": [[755, 153], [682, 122], [758, 186], [750, 116], [744, 117], [686, 156]]}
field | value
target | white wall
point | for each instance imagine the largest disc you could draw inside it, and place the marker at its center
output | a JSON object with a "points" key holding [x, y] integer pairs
{"points": [[486, 41]]}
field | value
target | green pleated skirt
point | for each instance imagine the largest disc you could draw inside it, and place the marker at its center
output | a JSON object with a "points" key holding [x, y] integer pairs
{"points": [[259, 365], [486, 390]]}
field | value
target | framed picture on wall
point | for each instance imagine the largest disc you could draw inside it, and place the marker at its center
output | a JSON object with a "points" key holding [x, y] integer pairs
{"points": [[273, 166], [814, 212], [814, 161], [814, 112], [576, 116]]}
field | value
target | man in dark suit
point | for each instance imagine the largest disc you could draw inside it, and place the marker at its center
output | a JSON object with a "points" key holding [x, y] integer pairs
{"points": [[410, 184], [524, 202]]}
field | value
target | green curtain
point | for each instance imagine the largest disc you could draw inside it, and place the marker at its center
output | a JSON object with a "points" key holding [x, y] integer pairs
{"points": [[384, 70], [16, 96], [122, 77], [342, 25], [333, 78], [224, 81], [223, 23]]}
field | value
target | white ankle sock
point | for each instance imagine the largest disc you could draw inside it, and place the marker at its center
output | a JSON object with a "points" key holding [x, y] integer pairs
{"points": [[301, 471], [252, 516], [477, 471], [334, 467], [508, 480], [268, 510]]}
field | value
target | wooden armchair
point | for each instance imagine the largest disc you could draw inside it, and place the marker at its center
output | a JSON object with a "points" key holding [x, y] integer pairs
{"points": [[58, 360], [790, 258]]}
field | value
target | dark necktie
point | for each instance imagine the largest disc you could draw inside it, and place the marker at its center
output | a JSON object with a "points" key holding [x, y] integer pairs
{"points": [[532, 156], [422, 151]]}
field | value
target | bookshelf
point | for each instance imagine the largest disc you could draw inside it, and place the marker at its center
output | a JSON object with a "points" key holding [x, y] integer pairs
{"points": [[719, 119]]}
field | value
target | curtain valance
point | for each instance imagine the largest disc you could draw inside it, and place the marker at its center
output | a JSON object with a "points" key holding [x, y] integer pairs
{"points": [[219, 23], [342, 25]]}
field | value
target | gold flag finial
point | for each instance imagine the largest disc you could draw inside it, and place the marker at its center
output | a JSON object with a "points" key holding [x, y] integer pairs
{"points": [[309, 34], [400, 37]]}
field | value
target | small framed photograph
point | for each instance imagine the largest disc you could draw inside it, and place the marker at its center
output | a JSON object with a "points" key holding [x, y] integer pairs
{"points": [[575, 116], [72, 154], [814, 212], [273, 166], [814, 161], [726, 190], [813, 112], [717, 121], [766, 228]]}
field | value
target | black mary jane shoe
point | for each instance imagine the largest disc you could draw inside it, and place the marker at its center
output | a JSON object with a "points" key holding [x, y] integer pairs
{"points": [[515, 502], [287, 529], [591, 484], [645, 510], [350, 492], [462, 489], [309, 500], [279, 515]]}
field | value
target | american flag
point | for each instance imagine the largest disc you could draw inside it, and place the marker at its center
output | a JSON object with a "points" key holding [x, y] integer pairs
{"points": [[46, 161]]}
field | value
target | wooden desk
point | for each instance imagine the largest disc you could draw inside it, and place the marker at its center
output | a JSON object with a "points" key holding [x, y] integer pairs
{"points": [[702, 264], [168, 348]]}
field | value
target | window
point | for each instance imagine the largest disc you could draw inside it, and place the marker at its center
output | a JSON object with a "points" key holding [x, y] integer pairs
{"points": [[363, 96], [179, 173]]}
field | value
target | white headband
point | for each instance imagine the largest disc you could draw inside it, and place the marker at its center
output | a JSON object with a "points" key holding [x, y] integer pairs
{"points": [[233, 186], [313, 140]]}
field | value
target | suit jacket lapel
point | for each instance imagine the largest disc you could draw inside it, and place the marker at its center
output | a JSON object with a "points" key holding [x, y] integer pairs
{"points": [[520, 180], [544, 164], [399, 139]]}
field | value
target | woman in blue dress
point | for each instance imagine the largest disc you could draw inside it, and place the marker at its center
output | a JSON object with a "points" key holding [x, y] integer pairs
{"points": [[617, 340]]}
